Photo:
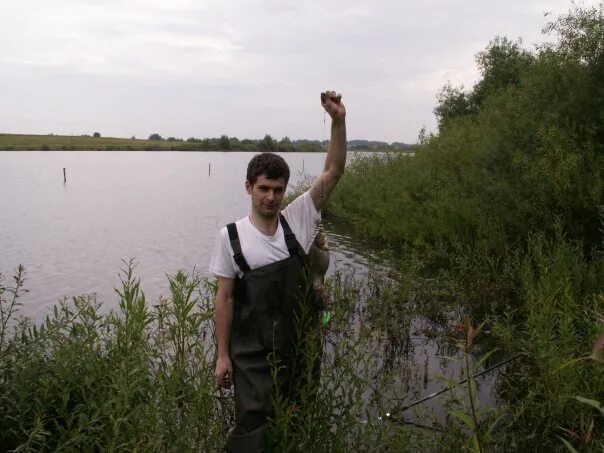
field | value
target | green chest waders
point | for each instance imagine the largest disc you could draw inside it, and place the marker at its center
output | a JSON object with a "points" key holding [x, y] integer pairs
{"points": [[273, 312]]}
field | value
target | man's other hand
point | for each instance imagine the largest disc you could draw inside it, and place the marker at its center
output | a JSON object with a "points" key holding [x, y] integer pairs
{"points": [[332, 103], [224, 372]]}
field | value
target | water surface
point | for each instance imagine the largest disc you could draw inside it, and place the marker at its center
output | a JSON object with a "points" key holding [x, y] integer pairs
{"points": [[162, 208]]}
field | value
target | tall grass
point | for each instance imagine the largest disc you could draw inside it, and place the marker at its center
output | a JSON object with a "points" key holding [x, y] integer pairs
{"points": [[562, 299], [141, 376], [138, 378]]}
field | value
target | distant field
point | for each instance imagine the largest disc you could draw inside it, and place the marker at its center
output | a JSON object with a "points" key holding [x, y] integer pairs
{"points": [[21, 142], [18, 142]]}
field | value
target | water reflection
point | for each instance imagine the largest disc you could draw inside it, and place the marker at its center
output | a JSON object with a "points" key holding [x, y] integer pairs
{"points": [[412, 336]]}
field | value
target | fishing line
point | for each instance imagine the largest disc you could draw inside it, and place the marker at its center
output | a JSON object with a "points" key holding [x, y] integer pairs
{"points": [[324, 131]]}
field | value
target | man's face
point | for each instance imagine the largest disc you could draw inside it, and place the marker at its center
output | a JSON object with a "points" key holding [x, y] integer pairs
{"points": [[267, 195]]}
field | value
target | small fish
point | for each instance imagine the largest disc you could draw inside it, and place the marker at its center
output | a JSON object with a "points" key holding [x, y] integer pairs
{"points": [[318, 262], [318, 258]]}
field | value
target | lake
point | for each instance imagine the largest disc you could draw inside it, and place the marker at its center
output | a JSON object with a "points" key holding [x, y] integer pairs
{"points": [[162, 208], [165, 210]]}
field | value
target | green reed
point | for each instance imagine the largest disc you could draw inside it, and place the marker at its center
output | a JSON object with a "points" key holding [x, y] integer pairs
{"points": [[141, 376], [137, 378]]}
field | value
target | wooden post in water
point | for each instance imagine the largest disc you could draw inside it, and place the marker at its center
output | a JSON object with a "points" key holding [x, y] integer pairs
{"points": [[302, 165], [209, 169], [64, 176]]}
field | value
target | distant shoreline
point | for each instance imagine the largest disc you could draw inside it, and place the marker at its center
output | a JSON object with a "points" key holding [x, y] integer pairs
{"points": [[23, 142]]}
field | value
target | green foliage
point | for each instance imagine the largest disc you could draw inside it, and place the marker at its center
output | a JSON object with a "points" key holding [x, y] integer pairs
{"points": [[9, 304], [267, 144], [224, 143], [140, 378], [502, 65], [530, 156], [452, 102], [155, 136], [562, 294], [505, 206], [286, 145]]}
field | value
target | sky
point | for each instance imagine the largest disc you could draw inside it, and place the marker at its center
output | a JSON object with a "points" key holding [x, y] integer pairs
{"points": [[244, 68]]}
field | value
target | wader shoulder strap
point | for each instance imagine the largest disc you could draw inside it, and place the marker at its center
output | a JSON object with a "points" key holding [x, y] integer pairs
{"points": [[236, 246], [293, 246]]}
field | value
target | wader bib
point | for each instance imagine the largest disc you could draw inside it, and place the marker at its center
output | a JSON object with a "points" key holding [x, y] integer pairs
{"points": [[273, 312]]}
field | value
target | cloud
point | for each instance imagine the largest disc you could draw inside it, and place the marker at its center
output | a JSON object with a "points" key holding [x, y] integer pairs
{"points": [[243, 67]]}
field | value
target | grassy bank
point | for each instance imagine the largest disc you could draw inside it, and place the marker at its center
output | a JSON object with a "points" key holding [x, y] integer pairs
{"points": [[18, 142], [505, 203]]}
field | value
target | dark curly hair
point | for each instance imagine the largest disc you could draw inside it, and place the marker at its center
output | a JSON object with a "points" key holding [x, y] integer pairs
{"points": [[269, 165]]}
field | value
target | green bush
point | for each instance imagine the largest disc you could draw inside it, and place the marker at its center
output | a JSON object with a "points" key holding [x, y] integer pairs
{"points": [[528, 155], [562, 301], [138, 378], [504, 206]]}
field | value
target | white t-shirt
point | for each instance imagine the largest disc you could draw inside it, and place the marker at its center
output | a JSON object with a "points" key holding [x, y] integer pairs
{"points": [[259, 249]]}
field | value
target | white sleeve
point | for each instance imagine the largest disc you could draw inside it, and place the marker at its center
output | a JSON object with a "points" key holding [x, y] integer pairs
{"points": [[302, 217], [222, 263]]}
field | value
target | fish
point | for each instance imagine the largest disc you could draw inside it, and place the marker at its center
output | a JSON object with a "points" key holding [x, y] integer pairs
{"points": [[318, 263]]}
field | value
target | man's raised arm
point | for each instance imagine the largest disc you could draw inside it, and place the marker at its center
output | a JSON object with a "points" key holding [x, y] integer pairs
{"points": [[336, 152]]}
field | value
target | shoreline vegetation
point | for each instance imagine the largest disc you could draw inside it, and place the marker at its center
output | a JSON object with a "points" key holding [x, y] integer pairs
{"points": [[506, 204], [497, 226], [155, 142]]}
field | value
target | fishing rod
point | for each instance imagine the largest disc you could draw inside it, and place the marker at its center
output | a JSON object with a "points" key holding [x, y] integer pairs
{"points": [[451, 387], [393, 418]]}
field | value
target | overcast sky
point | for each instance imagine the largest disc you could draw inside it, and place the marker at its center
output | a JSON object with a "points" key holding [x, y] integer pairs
{"points": [[243, 68]]}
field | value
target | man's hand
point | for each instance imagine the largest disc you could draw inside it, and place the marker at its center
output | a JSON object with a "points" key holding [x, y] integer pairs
{"points": [[224, 372], [332, 103], [335, 160], [223, 317]]}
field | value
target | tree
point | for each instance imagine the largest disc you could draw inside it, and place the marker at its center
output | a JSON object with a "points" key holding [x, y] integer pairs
{"points": [[234, 142], [451, 102], [267, 143], [286, 145], [224, 143], [97, 135], [501, 64], [155, 136], [248, 145]]}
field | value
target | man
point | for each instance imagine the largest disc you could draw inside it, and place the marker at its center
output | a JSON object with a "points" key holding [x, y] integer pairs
{"points": [[259, 263]]}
